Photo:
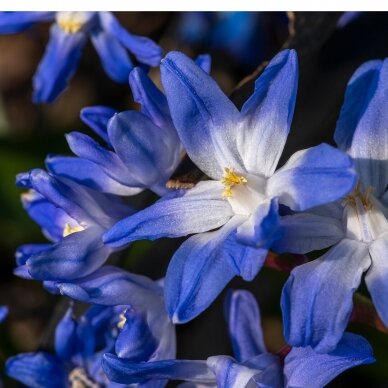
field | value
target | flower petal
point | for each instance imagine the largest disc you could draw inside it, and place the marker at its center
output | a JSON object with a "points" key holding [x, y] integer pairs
{"points": [[362, 125], [377, 276], [66, 340], [145, 49], [23, 252], [198, 272], [198, 210], [146, 149], [58, 65], [51, 218], [244, 323], [204, 61], [87, 173], [37, 370], [12, 22], [261, 228], [307, 232], [124, 372], [77, 255], [317, 299], [267, 114], [87, 148], [204, 117], [135, 341], [97, 118], [152, 100], [313, 177], [114, 57], [306, 368], [111, 286]]}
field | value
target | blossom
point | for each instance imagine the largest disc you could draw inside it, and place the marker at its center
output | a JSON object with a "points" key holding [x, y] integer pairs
{"points": [[68, 36], [253, 365], [317, 298], [234, 215], [142, 149], [137, 330], [74, 218]]}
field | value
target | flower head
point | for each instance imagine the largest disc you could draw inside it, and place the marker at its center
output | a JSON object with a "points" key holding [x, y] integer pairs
{"points": [[234, 214], [68, 36]]}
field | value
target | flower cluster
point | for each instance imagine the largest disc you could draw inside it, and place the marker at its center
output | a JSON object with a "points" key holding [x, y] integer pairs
{"points": [[246, 207]]}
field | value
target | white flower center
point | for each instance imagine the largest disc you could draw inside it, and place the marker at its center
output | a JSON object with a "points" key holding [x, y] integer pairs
{"points": [[72, 22], [243, 192], [365, 216]]}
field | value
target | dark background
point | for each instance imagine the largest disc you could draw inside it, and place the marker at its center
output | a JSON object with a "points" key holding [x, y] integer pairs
{"points": [[328, 56]]}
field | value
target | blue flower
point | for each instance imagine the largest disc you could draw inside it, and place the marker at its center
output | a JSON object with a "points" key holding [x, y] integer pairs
{"points": [[68, 36], [142, 148], [74, 218], [252, 365], [137, 330], [317, 299], [234, 214]]}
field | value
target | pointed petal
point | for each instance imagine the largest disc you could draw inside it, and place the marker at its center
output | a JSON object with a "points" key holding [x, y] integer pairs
{"points": [[198, 210], [244, 323], [145, 49], [204, 117], [124, 372], [58, 65], [198, 272], [23, 252], [377, 276], [306, 368], [12, 22], [77, 255], [59, 194], [97, 118], [87, 148], [317, 299], [51, 219], [88, 174], [261, 228], [111, 286], [113, 56], [37, 370], [362, 125], [313, 177], [152, 100], [146, 149], [306, 232], [66, 340], [204, 61], [135, 341], [268, 114]]}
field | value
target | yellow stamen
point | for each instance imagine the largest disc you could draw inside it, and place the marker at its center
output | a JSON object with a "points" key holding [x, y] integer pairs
{"points": [[231, 179], [70, 26], [364, 197], [122, 320], [68, 229], [78, 378]]}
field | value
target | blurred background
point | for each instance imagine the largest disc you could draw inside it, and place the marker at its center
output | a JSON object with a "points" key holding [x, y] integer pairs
{"points": [[329, 48]]}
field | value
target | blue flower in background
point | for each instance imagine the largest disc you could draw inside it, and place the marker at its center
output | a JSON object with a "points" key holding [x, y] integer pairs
{"points": [[74, 218], [317, 299], [252, 365], [68, 36], [239, 151], [149, 335], [81, 343], [142, 148]]}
